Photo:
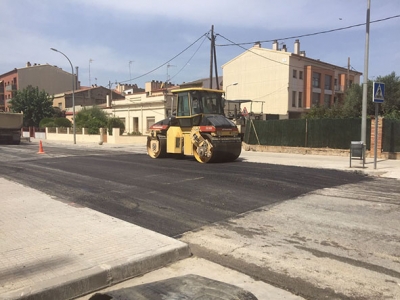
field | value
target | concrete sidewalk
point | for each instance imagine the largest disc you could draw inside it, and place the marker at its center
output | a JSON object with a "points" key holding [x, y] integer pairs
{"points": [[389, 168], [55, 250]]}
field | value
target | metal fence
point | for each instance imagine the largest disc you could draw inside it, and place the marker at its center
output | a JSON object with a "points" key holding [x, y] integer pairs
{"points": [[312, 133], [391, 135]]}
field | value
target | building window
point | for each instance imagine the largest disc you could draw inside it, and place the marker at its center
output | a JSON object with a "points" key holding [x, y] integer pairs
{"points": [[149, 122], [328, 82], [60, 105], [294, 73], [135, 124], [300, 99], [316, 80], [315, 99], [327, 100], [300, 74], [293, 99]]}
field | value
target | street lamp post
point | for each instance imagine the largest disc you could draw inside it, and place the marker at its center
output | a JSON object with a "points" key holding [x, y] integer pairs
{"points": [[73, 93], [226, 91], [365, 79]]}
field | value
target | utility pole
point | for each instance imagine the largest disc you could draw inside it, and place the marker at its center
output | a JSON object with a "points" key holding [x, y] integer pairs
{"points": [[168, 77], [90, 80], [348, 73], [111, 94], [90, 83], [365, 79], [211, 55], [215, 65], [130, 75], [213, 60]]}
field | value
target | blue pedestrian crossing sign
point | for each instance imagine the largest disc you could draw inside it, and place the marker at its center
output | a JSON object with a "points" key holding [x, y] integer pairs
{"points": [[378, 92]]}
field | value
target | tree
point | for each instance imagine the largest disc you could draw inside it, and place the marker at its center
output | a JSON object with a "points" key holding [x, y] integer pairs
{"points": [[58, 113], [115, 123], [352, 105], [391, 105], [35, 105], [316, 112], [92, 119], [62, 122]]}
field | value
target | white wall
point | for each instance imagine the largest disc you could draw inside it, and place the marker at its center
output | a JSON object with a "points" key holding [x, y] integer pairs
{"points": [[262, 75]]}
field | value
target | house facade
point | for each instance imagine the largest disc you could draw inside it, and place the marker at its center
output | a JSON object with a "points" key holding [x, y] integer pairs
{"points": [[52, 79], [138, 111], [282, 84], [86, 96]]}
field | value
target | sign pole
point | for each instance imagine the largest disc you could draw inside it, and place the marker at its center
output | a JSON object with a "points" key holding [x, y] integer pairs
{"points": [[378, 96], [376, 133]]}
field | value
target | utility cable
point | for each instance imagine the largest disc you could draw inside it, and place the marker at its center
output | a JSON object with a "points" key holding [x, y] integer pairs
{"points": [[155, 69], [198, 48], [248, 50], [310, 34]]}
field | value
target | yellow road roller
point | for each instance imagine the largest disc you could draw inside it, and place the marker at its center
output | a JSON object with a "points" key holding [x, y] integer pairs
{"points": [[198, 127]]}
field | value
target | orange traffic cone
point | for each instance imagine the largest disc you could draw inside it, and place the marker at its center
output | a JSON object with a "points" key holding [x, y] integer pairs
{"points": [[40, 148]]}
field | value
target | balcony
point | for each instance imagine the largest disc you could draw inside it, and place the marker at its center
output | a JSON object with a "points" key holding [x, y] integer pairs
{"points": [[339, 88], [11, 87]]}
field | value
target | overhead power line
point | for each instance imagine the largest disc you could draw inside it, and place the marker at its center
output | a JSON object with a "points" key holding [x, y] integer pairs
{"points": [[249, 50], [198, 48], [162, 65], [247, 43], [310, 34], [293, 37]]}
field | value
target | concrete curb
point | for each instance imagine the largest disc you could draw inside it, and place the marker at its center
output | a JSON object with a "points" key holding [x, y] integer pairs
{"points": [[91, 280]]}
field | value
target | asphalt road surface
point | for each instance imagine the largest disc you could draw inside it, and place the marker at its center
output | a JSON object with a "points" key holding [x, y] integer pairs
{"points": [[169, 196], [319, 233]]}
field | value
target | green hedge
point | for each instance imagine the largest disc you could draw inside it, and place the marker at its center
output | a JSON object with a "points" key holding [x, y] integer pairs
{"points": [[391, 135], [313, 133]]}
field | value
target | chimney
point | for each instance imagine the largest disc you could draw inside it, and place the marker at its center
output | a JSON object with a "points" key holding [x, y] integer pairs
{"points": [[257, 44], [284, 48], [297, 47], [28, 64], [275, 45], [303, 53]]}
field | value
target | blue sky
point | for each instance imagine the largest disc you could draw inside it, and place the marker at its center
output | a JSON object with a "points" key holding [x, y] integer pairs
{"points": [[126, 39]]}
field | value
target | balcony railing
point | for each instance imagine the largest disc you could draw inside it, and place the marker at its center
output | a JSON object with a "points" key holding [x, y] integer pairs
{"points": [[339, 88], [11, 87]]}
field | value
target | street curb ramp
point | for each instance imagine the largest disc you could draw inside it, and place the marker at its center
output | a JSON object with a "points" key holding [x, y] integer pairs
{"points": [[78, 284]]}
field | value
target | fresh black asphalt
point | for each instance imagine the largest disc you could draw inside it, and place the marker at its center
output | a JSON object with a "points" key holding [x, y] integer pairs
{"points": [[170, 196]]}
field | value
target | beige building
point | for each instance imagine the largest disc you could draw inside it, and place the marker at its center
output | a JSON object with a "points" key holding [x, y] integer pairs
{"points": [[282, 84], [52, 79], [138, 111], [86, 97]]}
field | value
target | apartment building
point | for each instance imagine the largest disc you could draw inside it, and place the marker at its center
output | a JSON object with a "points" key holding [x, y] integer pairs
{"points": [[285, 84], [52, 79]]}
